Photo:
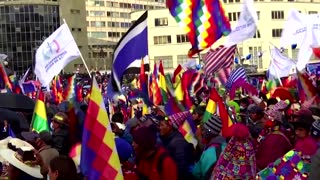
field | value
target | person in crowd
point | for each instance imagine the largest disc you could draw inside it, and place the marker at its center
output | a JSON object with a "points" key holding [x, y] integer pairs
{"points": [[255, 120], [244, 103], [180, 150], [117, 117], [214, 144], [302, 121], [237, 161], [42, 143], [60, 133], [268, 149], [123, 147], [315, 159], [62, 168], [153, 162], [21, 160], [197, 114]]}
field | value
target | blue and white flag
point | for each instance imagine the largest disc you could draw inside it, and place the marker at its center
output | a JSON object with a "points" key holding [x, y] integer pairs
{"points": [[28, 87], [131, 49], [236, 74]]}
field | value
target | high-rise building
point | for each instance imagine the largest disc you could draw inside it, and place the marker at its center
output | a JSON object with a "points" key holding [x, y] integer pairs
{"points": [[169, 43], [107, 22], [24, 24]]}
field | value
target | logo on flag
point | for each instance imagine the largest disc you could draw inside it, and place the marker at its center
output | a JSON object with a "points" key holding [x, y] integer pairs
{"points": [[51, 49]]}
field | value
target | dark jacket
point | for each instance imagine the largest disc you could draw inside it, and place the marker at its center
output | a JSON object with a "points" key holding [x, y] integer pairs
{"points": [[255, 127], [182, 153], [61, 141]]}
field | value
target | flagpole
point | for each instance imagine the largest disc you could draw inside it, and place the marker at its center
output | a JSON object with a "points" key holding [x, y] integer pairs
{"points": [[84, 62]]}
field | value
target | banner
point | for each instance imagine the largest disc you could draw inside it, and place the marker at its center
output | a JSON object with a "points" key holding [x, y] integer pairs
{"points": [[58, 50]]}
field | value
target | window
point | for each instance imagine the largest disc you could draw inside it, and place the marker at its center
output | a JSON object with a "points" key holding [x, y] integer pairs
{"points": [[114, 34], [182, 38], [313, 12], [295, 53], [258, 13], [125, 15], [277, 14], [113, 24], [181, 59], [97, 13], [161, 22], [162, 39], [75, 11], [99, 3], [234, 16], [257, 34], [98, 24], [99, 34], [166, 61], [255, 58], [276, 33], [125, 25], [112, 4], [112, 14]]}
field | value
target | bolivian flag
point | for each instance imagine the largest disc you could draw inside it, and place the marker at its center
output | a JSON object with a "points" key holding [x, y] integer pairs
{"points": [[39, 118]]}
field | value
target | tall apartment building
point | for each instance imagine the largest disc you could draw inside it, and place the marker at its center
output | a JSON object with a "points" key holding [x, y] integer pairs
{"points": [[169, 43], [107, 22], [24, 24]]}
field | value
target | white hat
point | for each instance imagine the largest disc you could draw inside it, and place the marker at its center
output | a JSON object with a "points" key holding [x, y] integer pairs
{"points": [[11, 157]]}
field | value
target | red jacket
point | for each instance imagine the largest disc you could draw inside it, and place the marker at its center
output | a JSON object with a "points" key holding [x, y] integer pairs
{"points": [[274, 146], [149, 168]]}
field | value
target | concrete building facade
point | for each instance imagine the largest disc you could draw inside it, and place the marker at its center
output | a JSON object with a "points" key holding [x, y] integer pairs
{"points": [[169, 43], [107, 22], [24, 24]]}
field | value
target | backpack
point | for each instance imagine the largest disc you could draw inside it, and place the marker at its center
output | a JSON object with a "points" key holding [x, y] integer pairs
{"points": [[218, 152]]}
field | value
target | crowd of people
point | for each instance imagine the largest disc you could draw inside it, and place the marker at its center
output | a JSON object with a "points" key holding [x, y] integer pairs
{"points": [[270, 139]]}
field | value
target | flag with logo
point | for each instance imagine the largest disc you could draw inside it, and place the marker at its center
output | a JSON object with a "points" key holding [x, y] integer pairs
{"points": [[246, 26], [58, 50], [280, 65]]}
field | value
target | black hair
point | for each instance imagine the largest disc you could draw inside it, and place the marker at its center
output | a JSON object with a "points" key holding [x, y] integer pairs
{"points": [[65, 166], [117, 117]]}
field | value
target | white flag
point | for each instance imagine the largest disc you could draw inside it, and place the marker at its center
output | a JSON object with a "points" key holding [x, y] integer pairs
{"points": [[3, 56], [311, 40], [294, 30], [280, 65], [246, 26], [55, 53]]}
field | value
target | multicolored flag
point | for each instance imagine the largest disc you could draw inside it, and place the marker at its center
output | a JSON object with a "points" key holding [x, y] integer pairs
{"points": [[39, 119], [204, 21], [236, 74], [162, 84], [99, 157], [305, 87], [5, 79], [219, 58], [70, 92], [156, 92]]}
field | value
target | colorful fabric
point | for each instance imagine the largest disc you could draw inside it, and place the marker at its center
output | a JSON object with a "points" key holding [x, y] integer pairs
{"points": [[39, 119], [306, 89], [154, 88], [237, 161], [99, 157], [70, 91], [236, 74], [204, 21], [219, 58], [162, 84], [293, 165], [5, 79]]}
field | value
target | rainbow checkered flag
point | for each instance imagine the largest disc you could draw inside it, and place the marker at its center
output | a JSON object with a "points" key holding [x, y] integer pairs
{"points": [[99, 157]]}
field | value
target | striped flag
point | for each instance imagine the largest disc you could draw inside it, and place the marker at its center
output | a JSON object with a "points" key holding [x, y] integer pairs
{"points": [[216, 59], [235, 75], [223, 75]]}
